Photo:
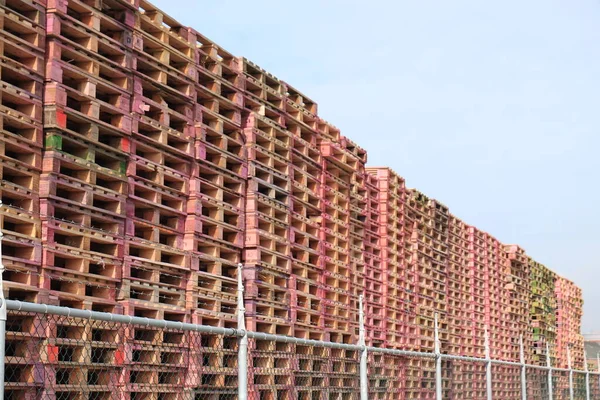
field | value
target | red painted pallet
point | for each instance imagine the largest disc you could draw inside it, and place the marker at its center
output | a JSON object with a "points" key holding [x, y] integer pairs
{"points": [[262, 85], [213, 296], [217, 60], [226, 106], [203, 250], [268, 317], [177, 139], [24, 22], [297, 101], [157, 168], [106, 197], [20, 103], [171, 78], [164, 38], [262, 284], [227, 155]]}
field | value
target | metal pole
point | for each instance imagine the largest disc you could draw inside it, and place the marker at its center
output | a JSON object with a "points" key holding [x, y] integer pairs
{"points": [[523, 370], [587, 376], [364, 383], [549, 365], [242, 341], [571, 394], [598, 360], [2, 321], [488, 366], [438, 360]]}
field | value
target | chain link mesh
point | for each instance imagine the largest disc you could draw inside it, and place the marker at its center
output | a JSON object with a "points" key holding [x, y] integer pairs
{"points": [[279, 370], [560, 385], [595, 386], [398, 376], [506, 382], [463, 379], [537, 384], [579, 385], [63, 358]]}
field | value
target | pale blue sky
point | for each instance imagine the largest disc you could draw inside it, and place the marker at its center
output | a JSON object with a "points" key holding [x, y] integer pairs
{"points": [[491, 107]]}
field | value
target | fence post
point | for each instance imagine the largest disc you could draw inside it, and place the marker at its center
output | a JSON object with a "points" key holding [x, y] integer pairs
{"points": [[598, 360], [242, 340], [2, 321], [523, 370], [488, 366], [571, 396], [364, 383], [549, 365], [587, 376], [438, 360]]}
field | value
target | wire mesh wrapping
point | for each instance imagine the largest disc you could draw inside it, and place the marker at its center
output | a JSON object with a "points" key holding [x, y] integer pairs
{"points": [[63, 358]]}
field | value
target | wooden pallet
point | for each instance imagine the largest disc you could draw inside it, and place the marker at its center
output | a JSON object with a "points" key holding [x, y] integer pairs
{"points": [[231, 159]]}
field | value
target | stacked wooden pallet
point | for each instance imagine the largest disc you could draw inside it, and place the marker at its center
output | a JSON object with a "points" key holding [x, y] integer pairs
{"points": [[399, 294], [426, 257], [87, 125], [22, 45], [141, 162], [216, 203], [375, 318], [542, 311], [568, 322]]}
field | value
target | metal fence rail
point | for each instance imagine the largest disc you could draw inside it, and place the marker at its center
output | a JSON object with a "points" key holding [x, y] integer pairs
{"points": [[60, 353]]}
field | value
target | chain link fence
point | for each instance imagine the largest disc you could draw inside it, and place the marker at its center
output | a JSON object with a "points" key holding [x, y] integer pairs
{"points": [[58, 353]]}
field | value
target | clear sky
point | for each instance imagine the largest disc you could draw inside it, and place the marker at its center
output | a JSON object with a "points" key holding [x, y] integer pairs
{"points": [[491, 107]]}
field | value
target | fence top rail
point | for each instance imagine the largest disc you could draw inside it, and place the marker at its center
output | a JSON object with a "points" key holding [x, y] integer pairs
{"points": [[16, 305], [479, 359], [306, 342], [406, 353]]}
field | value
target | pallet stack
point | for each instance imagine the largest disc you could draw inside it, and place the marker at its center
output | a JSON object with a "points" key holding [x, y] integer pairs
{"points": [[380, 365], [267, 248], [497, 301], [426, 258], [374, 278], [306, 280], [568, 322], [385, 272], [22, 44], [215, 221], [399, 296], [267, 254], [542, 311], [141, 162], [477, 309], [357, 230], [494, 298], [87, 125], [458, 290], [517, 285], [338, 166], [156, 267]]}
